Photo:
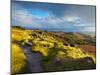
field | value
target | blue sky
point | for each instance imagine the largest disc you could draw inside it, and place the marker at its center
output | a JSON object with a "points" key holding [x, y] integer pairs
{"points": [[55, 17]]}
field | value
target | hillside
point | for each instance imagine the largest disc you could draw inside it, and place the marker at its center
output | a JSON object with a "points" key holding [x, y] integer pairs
{"points": [[59, 51]]}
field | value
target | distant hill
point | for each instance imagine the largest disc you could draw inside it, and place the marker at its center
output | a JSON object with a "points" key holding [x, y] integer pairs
{"points": [[92, 34], [19, 27]]}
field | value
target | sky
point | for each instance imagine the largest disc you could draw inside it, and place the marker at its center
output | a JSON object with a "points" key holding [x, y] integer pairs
{"points": [[53, 17]]}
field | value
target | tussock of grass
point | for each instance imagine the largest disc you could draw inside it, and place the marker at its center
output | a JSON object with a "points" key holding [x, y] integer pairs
{"points": [[18, 35], [18, 59], [76, 53]]}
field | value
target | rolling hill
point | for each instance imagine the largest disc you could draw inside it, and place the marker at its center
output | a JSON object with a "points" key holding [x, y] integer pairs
{"points": [[61, 51]]}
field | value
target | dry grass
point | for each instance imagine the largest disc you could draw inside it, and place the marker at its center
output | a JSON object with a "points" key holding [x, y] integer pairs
{"points": [[18, 59]]}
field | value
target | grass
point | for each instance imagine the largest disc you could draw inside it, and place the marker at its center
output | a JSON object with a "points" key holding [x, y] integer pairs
{"points": [[18, 59], [60, 52]]}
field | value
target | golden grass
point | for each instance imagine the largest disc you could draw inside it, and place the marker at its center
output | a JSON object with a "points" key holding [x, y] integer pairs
{"points": [[45, 41], [18, 59], [19, 35], [77, 53]]}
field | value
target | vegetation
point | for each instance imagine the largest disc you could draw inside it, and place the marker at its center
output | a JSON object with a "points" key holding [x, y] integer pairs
{"points": [[61, 51], [18, 59]]}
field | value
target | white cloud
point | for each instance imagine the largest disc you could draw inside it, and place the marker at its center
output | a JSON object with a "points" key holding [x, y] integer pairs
{"points": [[71, 18], [23, 17]]}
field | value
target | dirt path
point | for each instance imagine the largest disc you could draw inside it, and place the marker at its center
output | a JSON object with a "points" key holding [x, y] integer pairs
{"points": [[34, 59]]}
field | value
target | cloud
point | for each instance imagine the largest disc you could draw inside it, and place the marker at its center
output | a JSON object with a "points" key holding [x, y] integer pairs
{"points": [[62, 20], [22, 16], [72, 18], [72, 23]]}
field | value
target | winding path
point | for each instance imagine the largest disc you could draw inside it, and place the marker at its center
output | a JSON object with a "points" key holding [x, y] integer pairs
{"points": [[34, 59]]}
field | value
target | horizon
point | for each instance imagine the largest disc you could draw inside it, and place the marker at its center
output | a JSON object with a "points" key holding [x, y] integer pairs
{"points": [[54, 30]]}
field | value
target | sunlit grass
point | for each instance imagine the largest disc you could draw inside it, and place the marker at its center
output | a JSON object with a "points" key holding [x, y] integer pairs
{"points": [[18, 59], [19, 35], [77, 53], [47, 43]]}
